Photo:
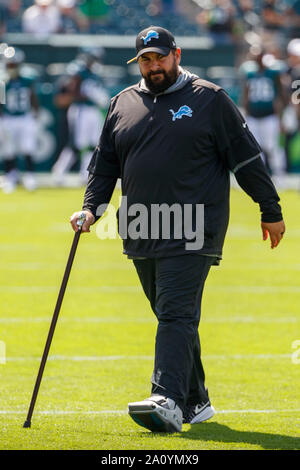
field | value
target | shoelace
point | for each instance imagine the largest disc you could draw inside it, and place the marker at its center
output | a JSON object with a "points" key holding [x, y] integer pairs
{"points": [[192, 410]]}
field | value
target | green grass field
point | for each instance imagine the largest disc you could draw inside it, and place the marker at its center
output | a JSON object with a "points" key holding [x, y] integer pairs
{"points": [[101, 357]]}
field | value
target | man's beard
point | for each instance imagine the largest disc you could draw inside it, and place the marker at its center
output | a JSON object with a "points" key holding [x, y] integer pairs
{"points": [[161, 85]]}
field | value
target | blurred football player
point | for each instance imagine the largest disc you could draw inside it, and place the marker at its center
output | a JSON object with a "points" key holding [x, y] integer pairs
{"points": [[19, 126], [86, 97], [263, 103]]}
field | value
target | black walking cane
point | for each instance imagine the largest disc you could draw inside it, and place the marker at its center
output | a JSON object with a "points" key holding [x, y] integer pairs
{"points": [[80, 222]]}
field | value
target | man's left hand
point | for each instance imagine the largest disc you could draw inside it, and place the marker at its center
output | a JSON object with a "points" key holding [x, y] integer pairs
{"points": [[275, 230]]}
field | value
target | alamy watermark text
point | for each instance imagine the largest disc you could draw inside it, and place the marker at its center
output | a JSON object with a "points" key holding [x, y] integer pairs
{"points": [[157, 221]]}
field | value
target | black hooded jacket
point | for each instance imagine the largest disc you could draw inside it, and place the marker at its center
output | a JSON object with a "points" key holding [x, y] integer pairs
{"points": [[178, 148]]}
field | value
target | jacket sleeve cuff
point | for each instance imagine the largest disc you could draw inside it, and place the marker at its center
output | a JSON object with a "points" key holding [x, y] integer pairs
{"points": [[271, 212], [87, 207]]}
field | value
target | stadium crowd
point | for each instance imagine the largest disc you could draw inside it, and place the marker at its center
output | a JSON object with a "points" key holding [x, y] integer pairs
{"points": [[263, 82], [224, 20]]}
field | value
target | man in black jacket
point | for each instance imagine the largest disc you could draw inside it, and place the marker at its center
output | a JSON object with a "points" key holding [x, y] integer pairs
{"points": [[173, 139]]}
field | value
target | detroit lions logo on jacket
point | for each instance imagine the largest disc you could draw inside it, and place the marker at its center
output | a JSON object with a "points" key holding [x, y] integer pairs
{"points": [[182, 111], [150, 35]]}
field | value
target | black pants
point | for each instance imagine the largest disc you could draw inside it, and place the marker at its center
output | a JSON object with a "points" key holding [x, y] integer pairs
{"points": [[174, 287]]}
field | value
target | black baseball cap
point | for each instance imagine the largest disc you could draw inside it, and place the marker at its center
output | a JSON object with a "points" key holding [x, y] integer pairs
{"points": [[154, 39]]}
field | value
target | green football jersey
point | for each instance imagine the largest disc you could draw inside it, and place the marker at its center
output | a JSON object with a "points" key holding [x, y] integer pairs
{"points": [[18, 96], [262, 87]]}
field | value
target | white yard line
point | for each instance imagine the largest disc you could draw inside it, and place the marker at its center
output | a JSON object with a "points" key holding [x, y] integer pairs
{"points": [[59, 357], [78, 289], [123, 412], [295, 410], [255, 289], [284, 318], [125, 266], [138, 289], [72, 320], [34, 266]]}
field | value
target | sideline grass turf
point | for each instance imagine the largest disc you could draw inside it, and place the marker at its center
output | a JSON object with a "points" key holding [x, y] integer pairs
{"points": [[101, 357]]}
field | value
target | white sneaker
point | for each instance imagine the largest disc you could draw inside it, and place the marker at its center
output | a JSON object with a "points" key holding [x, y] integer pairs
{"points": [[157, 413], [29, 182], [8, 186], [10, 181], [198, 413]]}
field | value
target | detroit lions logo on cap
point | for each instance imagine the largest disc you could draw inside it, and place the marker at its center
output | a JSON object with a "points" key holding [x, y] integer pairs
{"points": [[182, 111], [150, 35]]}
